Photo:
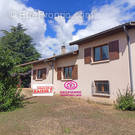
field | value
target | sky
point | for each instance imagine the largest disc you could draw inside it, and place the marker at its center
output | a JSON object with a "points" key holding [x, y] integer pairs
{"points": [[53, 23]]}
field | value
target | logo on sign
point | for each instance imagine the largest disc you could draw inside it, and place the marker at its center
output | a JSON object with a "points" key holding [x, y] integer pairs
{"points": [[70, 85], [43, 90]]}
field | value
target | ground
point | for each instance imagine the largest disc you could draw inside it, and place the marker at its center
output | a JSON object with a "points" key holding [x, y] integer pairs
{"points": [[66, 116]]}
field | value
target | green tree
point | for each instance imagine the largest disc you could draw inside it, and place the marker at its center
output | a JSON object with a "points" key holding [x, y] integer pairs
{"points": [[23, 47], [9, 93], [21, 43]]}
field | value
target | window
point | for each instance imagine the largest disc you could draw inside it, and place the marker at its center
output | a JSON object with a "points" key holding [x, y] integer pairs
{"points": [[39, 74], [97, 54], [102, 87], [101, 53], [68, 72]]}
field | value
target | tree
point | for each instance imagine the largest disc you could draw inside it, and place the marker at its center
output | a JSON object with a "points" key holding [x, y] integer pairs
{"points": [[20, 43], [23, 47], [9, 93]]}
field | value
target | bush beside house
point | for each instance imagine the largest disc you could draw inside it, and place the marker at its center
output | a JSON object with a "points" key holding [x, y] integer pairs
{"points": [[126, 101]]}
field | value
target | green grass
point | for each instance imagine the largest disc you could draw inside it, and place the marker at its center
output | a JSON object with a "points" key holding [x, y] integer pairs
{"points": [[62, 116], [67, 130]]}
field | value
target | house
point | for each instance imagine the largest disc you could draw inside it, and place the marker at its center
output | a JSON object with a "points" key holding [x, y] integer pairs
{"points": [[103, 64]]}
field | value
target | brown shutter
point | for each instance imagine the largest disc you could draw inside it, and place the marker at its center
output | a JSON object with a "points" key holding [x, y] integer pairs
{"points": [[87, 55], [34, 74], [59, 73], [62, 71], [114, 50], [44, 73], [75, 72]]}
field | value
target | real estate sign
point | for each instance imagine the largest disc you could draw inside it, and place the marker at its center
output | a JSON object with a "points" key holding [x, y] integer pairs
{"points": [[43, 90]]}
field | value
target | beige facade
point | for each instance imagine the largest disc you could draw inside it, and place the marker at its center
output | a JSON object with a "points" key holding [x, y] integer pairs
{"points": [[114, 71]]}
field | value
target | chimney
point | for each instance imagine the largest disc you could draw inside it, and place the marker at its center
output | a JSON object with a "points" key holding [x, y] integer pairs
{"points": [[63, 49], [54, 54]]}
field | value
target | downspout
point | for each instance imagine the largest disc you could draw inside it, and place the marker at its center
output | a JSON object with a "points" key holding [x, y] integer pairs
{"points": [[130, 58], [53, 71]]}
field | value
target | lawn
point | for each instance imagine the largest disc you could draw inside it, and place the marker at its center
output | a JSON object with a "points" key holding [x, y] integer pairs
{"points": [[66, 116]]}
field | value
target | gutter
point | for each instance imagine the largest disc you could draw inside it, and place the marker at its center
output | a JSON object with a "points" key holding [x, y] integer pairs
{"points": [[130, 58]]}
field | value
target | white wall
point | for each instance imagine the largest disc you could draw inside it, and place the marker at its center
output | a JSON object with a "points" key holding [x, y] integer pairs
{"points": [[117, 71], [48, 79]]}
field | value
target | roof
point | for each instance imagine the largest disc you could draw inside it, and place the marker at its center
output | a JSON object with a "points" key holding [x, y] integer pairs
{"points": [[103, 33], [84, 40], [50, 58]]}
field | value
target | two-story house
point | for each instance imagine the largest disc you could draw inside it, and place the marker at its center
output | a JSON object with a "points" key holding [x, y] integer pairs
{"points": [[103, 64]]}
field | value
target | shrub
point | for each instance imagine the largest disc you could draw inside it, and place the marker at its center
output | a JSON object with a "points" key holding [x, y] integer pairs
{"points": [[9, 93], [126, 101], [10, 98]]}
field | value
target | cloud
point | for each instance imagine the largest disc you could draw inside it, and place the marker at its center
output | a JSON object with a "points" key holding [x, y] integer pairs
{"points": [[16, 12], [104, 17], [107, 16], [64, 30], [100, 18]]}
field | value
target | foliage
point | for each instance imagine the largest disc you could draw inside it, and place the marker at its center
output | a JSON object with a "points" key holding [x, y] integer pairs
{"points": [[126, 101], [25, 79], [67, 130], [9, 93], [20, 43], [16, 47]]}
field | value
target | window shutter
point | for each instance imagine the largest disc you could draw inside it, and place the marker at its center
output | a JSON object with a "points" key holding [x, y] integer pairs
{"points": [[87, 55], [75, 72], [62, 71], [114, 50], [44, 73], [34, 74], [59, 73]]}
